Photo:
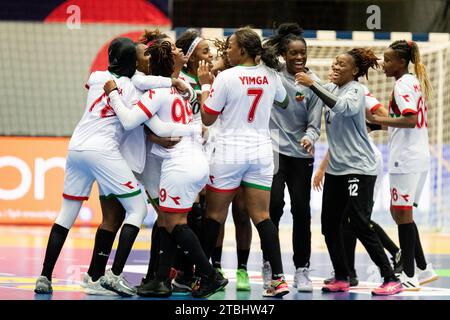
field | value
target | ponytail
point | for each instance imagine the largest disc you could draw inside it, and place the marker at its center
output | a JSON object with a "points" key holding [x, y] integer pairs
{"points": [[420, 70], [409, 50]]}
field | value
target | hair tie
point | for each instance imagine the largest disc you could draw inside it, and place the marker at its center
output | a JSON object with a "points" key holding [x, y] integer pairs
{"points": [[410, 43], [192, 47], [150, 43]]}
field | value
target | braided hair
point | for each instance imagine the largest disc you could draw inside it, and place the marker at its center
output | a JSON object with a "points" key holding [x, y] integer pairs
{"points": [[151, 35], [409, 50], [285, 33], [222, 46], [249, 40], [364, 60], [161, 62]]}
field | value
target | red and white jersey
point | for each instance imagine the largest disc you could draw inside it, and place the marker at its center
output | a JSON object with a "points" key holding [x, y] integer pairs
{"points": [[372, 103], [99, 128], [409, 150], [172, 108], [243, 98]]}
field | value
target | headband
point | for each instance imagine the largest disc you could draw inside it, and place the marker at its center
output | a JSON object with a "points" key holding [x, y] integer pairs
{"points": [[150, 43], [192, 47]]}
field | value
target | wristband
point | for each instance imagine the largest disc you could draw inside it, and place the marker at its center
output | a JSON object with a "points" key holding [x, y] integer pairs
{"points": [[206, 87]]}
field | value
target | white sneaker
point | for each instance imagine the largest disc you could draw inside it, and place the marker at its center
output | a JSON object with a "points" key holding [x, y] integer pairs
{"points": [[427, 275], [95, 288], [85, 280], [409, 283], [266, 274], [118, 284], [302, 281]]}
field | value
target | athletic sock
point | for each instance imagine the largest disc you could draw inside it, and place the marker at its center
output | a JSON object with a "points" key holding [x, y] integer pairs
{"points": [[270, 243], [186, 239], [216, 257], [127, 237], [407, 237], [419, 255], [58, 235], [166, 254], [210, 233], [154, 248], [387, 242], [242, 258], [102, 248]]}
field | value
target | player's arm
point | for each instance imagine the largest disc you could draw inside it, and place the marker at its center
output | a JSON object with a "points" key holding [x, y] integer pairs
{"points": [[406, 121], [147, 82], [281, 96], [348, 104], [312, 133], [320, 173]]}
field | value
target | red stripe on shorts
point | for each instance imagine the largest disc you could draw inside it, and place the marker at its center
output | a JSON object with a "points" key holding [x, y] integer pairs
{"points": [[401, 207], [174, 210], [208, 187], [69, 197]]}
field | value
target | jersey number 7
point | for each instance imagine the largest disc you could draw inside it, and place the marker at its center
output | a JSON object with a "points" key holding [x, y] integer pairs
{"points": [[257, 92]]}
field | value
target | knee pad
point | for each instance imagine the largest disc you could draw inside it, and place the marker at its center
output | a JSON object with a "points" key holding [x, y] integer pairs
{"points": [[69, 213], [136, 210]]}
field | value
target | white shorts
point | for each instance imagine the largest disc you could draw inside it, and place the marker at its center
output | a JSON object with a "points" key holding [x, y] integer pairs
{"points": [[406, 189], [110, 170], [182, 178], [228, 177]]}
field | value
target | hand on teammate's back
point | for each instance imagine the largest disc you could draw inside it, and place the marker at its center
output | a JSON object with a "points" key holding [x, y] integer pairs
{"points": [[181, 87], [109, 86]]}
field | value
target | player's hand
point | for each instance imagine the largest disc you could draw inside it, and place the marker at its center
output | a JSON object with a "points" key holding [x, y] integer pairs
{"points": [[303, 79], [204, 74], [318, 180], [168, 142], [109, 86], [181, 86], [305, 143]]}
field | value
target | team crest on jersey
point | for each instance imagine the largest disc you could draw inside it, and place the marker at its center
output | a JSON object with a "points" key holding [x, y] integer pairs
{"points": [[299, 96]]}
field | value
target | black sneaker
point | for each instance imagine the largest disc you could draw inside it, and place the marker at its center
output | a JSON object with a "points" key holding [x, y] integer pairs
{"points": [[397, 262], [143, 282], [209, 285], [155, 288], [353, 280], [182, 286]]}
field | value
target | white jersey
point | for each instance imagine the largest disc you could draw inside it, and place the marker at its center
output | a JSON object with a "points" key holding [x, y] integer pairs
{"points": [[99, 129], [172, 108], [195, 103], [408, 147], [243, 98]]}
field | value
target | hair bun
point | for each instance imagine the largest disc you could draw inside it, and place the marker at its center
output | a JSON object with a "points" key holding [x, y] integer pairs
{"points": [[290, 28]]}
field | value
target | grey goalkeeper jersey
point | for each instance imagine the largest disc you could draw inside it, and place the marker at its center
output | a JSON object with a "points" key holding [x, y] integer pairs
{"points": [[350, 150], [300, 118]]}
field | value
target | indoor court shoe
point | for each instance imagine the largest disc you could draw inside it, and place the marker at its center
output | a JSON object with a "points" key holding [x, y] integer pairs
{"points": [[353, 281], [302, 281], [336, 286], [181, 286], [388, 288], [156, 288], [143, 281], [95, 288], [266, 274], [85, 280], [209, 285], [427, 275], [277, 288], [409, 283], [43, 285], [242, 281], [118, 284]]}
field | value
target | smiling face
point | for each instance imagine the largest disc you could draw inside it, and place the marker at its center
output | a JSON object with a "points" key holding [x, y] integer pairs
{"points": [[344, 70], [295, 56], [201, 52], [393, 66], [234, 51]]}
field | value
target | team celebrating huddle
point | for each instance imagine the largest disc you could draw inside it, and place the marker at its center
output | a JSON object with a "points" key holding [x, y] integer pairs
{"points": [[169, 124]]}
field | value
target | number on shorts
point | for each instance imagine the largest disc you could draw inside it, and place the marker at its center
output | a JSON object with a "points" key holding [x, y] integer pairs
{"points": [[162, 195], [257, 92], [394, 194], [353, 190]]}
